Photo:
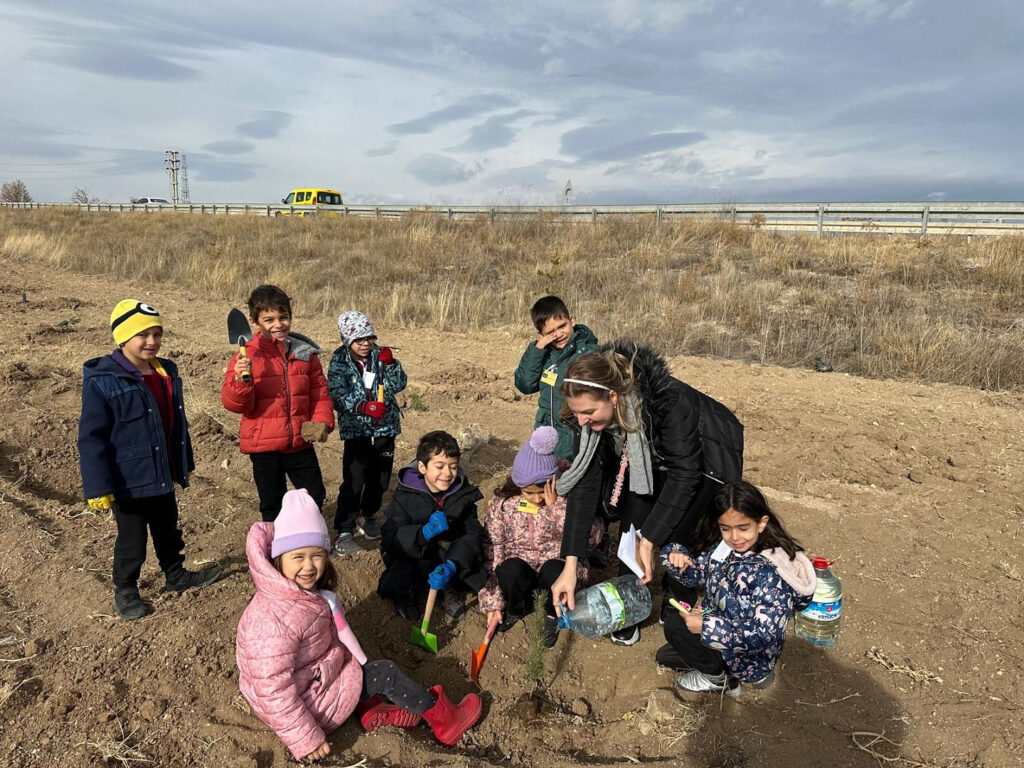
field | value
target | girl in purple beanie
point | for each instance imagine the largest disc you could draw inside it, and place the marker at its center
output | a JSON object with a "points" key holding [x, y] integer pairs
{"points": [[523, 535]]}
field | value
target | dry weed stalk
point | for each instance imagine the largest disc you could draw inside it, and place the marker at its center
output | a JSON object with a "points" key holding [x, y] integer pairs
{"points": [[883, 759], [1010, 572], [917, 675], [120, 750]]}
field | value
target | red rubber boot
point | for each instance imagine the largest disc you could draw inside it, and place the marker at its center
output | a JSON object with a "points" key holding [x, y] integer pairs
{"points": [[449, 721], [375, 713]]}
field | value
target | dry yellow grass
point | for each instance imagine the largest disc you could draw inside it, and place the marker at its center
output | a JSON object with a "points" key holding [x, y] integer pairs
{"points": [[927, 309]]}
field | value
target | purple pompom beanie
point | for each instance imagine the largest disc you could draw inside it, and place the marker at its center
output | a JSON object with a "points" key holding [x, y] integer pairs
{"points": [[299, 524], [536, 461]]}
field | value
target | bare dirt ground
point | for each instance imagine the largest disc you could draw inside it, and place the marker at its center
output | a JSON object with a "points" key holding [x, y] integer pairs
{"points": [[914, 490]]}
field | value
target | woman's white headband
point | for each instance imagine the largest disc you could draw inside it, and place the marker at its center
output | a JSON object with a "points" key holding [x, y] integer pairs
{"points": [[586, 383]]}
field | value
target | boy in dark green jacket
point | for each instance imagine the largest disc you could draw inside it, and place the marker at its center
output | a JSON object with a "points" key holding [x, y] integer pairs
{"points": [[542, 367]]}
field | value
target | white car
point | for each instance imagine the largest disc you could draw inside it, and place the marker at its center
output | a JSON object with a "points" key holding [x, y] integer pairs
{"points": [[150, 201]]}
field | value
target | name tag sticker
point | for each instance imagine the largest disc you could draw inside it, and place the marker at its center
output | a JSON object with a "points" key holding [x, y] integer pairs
{"points": [[527, 507], [549, 377]]}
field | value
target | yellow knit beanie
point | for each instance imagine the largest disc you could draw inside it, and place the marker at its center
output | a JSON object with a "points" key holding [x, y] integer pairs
{"points": [[131, 317]]}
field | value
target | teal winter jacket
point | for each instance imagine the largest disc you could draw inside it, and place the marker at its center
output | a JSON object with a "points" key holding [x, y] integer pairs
{"points": [[549, 405], [345, 384]]}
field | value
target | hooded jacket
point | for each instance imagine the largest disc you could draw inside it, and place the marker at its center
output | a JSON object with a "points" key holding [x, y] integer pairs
{"points": [[532, 366], [285, 392], [122, 447], [345, 384], [750, 598], [533, 538], [672, 415], [293, 670], [411, 507]]}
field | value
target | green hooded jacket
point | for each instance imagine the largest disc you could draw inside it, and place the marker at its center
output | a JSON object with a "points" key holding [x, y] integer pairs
{"points": [[549, 405]]}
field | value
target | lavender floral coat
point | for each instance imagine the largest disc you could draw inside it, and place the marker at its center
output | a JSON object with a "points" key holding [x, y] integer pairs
{"points": [[750, 598]]}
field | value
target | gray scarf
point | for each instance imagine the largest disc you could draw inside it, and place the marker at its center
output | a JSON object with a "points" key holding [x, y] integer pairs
{"points": [[641, 476]]}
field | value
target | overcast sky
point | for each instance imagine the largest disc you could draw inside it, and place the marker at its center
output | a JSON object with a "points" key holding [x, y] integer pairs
{"points": [[635, 101]]}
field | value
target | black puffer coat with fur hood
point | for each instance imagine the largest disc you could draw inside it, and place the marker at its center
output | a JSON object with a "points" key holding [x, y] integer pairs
{"points": [[672, 414]]}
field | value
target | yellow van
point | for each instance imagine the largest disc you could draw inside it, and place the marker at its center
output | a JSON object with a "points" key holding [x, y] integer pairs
{"points": [[324, 199]]}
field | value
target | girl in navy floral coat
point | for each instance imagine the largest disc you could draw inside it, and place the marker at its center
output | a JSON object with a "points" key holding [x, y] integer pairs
{"points": [[755, 575]]}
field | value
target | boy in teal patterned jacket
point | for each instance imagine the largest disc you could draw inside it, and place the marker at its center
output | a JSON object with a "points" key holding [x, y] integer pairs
{"points": [[363, 380]]}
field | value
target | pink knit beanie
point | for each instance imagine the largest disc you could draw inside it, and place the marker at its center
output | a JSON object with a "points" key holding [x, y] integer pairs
{"points": [[536, 461], [299, 524]]}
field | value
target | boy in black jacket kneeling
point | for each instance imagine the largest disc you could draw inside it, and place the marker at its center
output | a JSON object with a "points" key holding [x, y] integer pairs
{"points": [[432, 536]]}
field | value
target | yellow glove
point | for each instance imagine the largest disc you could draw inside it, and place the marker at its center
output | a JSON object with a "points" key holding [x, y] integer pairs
{"points": [[101, 503]]}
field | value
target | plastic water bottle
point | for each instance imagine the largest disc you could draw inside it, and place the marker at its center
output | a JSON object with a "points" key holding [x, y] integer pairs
{"points": [[608, 606], [820, 621]]}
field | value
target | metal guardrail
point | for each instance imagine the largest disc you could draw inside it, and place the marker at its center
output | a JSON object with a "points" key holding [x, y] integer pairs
{"points": [[947, 218]]}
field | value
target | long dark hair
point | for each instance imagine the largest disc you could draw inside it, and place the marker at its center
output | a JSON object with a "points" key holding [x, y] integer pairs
{"points": [[746, 499], [328, 579], [508, 489]]}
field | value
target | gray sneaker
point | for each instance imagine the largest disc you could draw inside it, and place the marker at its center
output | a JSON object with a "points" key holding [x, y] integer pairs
{"points": [[698, 682], [368, 527], [345, 546]]}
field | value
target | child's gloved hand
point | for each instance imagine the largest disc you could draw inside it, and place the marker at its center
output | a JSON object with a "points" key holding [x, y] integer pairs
{"points": [[440, 576], [437, 524], [386, 356], [373, 409], [101, 503]]}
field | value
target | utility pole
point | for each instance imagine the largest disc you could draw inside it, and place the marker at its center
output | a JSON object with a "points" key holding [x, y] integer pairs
{"points": [[172, 163], [185, 198]]}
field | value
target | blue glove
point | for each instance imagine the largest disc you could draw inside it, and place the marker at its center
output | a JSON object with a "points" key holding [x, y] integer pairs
{"points": [[440, 576], [437, 523]]}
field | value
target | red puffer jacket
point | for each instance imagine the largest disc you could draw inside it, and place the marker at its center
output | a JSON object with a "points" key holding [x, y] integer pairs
{"points": [[282, 396]]}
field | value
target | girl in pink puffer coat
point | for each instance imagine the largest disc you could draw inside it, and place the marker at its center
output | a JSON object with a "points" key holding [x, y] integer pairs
{"points": [[300, 666]]}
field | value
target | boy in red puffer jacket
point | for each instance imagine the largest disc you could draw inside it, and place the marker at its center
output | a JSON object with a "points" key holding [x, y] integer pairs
{"points": [[279, 388]]}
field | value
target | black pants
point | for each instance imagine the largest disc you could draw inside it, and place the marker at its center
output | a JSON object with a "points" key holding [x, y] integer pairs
{"points": [[365, 475], [519, 583], [405, 578], [634, 509], [689, 647], [158, 515], [270, 469], [384, 678]]}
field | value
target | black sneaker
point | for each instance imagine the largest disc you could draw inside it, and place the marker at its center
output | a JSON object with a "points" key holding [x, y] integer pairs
{"points": [[181, 579], [129, 603], [550, 636], [368, 527], [508, 621], [408, 609], [669, 657], [626, 636], [453, 606]]}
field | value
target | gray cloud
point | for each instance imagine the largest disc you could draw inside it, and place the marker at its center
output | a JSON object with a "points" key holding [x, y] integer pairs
{"points": [[388, 148], [122, 61], [603, 143], [438, 170], [230, 147], [206, 168], [268, 125], [493, 133], [460, 110]]}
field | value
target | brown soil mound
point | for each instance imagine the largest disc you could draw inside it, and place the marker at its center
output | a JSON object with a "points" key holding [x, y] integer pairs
{"points": [[914, 490]]}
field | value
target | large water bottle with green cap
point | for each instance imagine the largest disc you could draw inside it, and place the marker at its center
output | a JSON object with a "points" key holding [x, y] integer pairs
{"points": [[819, 622], [607, 607]]}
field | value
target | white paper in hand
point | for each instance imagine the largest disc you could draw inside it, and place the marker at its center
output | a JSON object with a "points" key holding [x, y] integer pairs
{"points": [[627, 550]]}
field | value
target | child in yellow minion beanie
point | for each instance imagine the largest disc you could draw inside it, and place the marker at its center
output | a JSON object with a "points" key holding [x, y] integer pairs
{"points": [[133, 445]]}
